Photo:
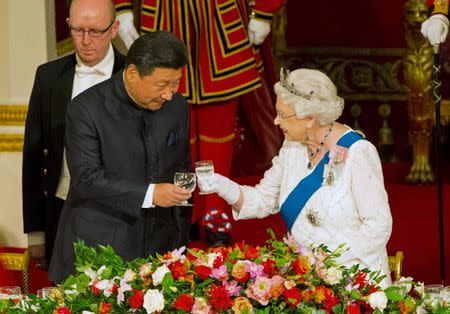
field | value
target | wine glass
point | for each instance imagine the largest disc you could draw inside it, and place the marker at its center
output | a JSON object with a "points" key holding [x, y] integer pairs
{"points": [[44, 292], [432, 293], [11, 292], [204, 169], [186, 180]]}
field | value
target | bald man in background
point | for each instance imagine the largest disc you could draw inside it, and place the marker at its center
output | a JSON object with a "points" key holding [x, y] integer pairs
{"points": [[45, 176]]}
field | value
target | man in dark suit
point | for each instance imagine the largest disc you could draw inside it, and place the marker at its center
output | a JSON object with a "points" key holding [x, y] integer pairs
{"points": [[45, 178], [125, 139]]}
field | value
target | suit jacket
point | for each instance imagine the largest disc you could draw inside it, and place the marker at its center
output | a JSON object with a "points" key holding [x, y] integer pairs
{"points": [[114, 150], [44, 143]]}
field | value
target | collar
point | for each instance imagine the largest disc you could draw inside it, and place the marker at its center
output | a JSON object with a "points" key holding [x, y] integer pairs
{"points": [[104, 67]]}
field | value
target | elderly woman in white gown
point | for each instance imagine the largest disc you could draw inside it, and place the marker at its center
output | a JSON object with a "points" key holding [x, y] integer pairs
{"points": [[326, 181]]}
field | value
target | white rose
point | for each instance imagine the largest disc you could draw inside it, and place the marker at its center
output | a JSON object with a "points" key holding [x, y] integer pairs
{"points": [[158, 275], [378, 300], [153, 301], [333, 276]]}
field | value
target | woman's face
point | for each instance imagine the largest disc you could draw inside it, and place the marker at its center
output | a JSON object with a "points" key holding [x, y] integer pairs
{"points": [[294, 129]]}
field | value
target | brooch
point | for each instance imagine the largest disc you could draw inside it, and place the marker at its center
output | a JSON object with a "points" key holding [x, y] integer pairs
{"points": [[312, 217]]}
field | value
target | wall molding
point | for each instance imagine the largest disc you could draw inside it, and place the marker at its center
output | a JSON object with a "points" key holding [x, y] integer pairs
{"points": [[12, 115]]}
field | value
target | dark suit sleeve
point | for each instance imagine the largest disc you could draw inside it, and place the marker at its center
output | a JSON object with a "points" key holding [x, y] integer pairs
{"points": [[90, 183], [32, 164]]}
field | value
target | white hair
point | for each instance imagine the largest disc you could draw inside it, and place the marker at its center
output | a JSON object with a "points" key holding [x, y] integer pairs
{"points": [[310, 93]]}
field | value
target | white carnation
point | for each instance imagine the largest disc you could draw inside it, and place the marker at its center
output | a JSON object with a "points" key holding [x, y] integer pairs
{"points": [[153, 301], [378, 300]]}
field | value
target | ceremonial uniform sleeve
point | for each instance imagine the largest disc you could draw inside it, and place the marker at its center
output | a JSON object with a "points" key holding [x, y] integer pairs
{"points": [[438, 6], [123, 6], [264, 10]]}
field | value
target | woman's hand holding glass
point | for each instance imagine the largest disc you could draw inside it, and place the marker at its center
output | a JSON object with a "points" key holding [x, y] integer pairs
{"points": [[204, 169]]}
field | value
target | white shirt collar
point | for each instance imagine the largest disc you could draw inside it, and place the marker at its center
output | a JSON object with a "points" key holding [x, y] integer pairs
{"points": [[104, 67]]}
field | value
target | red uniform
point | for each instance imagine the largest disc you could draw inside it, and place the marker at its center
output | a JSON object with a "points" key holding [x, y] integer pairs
{"points": [[222, 66]]}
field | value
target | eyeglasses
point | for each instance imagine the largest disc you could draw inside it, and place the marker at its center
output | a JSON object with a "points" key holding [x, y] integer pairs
{"points": [[94, 33], [281, 118]]}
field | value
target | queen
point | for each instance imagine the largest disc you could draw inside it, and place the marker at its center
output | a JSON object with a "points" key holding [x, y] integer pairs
{"points": [[326, 181]]}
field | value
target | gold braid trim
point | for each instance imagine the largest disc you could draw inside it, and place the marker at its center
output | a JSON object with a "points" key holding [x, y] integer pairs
{"points": [[224, 139], [440, 7]]}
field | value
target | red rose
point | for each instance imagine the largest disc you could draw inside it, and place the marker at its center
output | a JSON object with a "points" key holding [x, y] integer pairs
{"points": [[184, 302], [353, 308], [203, 272], [269, 267], [292, 297], [177, 269], [330, 300], [114, 288], [137, 299], [104, 308], [62, 310]]}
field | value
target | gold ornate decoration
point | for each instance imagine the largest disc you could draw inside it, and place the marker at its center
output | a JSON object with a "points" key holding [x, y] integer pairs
{"points": [[64, 46], [11, 115], [368, 80], [418, 72], [355, 112], [386, 138]]}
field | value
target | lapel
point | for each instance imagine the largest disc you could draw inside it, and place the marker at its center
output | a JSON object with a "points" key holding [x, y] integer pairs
{"points": [[60, 98]]}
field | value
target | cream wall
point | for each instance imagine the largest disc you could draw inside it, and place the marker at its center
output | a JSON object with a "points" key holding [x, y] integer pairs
{"points": [[25, 45]]}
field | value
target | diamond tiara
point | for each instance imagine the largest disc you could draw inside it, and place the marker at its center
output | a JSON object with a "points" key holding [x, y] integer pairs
{"points": [[290, 87]]}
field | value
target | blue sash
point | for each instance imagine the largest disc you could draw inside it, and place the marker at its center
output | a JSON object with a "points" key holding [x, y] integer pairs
{"points": [[297, 199]]}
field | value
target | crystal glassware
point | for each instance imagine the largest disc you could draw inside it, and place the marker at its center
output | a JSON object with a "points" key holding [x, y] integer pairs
{"points": [[186, 180], [204, 169]]}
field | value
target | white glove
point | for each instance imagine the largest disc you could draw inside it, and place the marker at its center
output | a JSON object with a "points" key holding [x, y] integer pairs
{"points": [[435, 29], [224, 187], [258, 31], [127, 31]]}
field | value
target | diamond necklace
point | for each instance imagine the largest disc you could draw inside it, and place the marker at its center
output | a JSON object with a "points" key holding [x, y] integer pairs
{"points": [[313, 154]]}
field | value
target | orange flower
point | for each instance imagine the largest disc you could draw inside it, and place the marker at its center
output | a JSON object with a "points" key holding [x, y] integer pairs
{"points": [[239, 272], [242, 305], [406, 309], [319, 294], [301, 265]]}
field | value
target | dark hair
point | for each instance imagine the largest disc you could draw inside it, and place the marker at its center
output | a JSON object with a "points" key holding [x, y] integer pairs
{"points": [[158, 49]]}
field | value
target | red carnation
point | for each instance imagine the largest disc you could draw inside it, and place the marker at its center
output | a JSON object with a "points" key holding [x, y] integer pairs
{"points": [[292, 297], [104, 308], [177, 269], [114, 288], [269, 267], [184, 302], [353, 308], [62, 310], [361, 279], [137, 299], [96, 291], [203, 272], [220, 299], [330, 300], [251, 253]]}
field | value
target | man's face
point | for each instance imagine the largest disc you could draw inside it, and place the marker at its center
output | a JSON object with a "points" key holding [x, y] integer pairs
{"points": [[152, 91], [95, 17]]}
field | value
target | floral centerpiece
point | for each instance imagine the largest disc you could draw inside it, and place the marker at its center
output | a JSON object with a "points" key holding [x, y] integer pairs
{"points": [[280, 277]]}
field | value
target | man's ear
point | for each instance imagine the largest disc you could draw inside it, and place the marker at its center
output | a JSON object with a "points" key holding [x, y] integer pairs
{"points": [[131, 73]]}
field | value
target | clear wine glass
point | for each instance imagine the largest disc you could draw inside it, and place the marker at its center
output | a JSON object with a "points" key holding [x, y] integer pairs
{"points": [[186, 180], [204, 169]]}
